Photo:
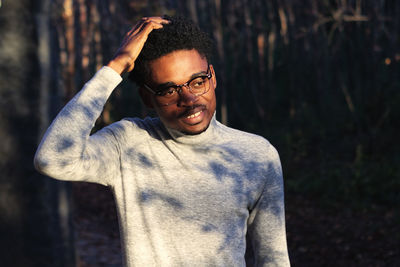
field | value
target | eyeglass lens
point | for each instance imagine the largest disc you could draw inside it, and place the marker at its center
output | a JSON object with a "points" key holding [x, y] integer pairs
{"points": [[197, 86]]}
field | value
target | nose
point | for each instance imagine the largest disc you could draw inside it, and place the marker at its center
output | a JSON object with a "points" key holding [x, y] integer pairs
{"points": [[186, 98]]}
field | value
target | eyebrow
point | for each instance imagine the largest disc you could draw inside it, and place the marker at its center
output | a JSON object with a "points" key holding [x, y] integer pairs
{"points": [[194, 75]]}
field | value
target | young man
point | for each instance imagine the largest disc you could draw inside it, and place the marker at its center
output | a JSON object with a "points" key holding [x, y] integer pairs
{"points": [[189, 190]]}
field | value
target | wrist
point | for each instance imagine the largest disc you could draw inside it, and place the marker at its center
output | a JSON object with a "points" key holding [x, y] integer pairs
{"points": [[121, 64]]}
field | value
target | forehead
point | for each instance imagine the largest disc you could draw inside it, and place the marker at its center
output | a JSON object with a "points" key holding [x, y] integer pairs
{"points": [[177, 67]]}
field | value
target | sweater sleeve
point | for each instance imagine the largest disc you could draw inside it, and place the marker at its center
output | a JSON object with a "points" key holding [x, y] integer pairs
{"points": [[67, 151], [266, 233]]}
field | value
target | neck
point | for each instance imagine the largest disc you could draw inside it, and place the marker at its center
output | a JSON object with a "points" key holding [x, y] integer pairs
{"points": [[186, 138]]}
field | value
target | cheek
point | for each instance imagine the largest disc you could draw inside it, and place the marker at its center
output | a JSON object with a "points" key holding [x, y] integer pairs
{"points": [[212, 100], [167, 114]]}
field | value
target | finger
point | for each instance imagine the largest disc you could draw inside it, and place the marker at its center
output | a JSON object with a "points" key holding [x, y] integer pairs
{"points": [[136, 28], [139, 25], [142, 36], [141, 33], [142, 24], [157, 19], [146, 29]]}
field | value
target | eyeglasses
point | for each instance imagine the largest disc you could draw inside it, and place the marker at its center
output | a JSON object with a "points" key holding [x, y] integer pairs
{"points": [[169, 94]]}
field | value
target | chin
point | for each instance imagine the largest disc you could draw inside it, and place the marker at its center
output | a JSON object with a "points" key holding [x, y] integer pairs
{"points": [[193, 132], [197, 130]]}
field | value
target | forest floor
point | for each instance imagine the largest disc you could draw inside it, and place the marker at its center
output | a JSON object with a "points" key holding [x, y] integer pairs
{"points": [[317, 236]]}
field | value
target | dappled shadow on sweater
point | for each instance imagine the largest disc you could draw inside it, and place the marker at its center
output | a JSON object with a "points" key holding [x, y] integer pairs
{"points": [[237, 190], [253, 188]]}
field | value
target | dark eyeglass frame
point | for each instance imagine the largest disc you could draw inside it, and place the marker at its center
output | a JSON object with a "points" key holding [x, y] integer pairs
{"points": [[178, 88]]}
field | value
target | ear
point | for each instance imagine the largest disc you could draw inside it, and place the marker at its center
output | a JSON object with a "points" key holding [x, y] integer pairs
{"points": [[214, 77], [146, 97]]}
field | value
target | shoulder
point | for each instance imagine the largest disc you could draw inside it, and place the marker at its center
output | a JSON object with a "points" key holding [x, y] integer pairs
{"points": [[146, 124], [137, 127], [253, 145]]}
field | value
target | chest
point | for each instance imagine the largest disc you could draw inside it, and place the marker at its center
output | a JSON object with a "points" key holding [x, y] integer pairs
{"points": [[177, 174]]}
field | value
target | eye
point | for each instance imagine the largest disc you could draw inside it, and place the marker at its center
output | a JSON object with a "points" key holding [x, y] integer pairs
{"points": [[167, 92], [198, 82], [170, 91]]}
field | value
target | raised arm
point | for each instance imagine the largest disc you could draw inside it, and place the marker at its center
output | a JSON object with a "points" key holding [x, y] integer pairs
{"points": [[67, 151]]}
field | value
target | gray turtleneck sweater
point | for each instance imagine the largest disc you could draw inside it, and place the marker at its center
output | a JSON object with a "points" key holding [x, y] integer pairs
{"points": [[212, 199]]}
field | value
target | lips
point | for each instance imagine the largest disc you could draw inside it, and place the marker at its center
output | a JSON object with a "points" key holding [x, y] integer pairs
{"points": [[192, 111], [193, 115]]}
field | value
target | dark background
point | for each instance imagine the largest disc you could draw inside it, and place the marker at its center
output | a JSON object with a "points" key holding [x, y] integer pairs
{"points": [[319, 79]]}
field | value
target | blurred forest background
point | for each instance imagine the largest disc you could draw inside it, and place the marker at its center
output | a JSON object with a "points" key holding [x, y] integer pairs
{"points": [[319, 79]]}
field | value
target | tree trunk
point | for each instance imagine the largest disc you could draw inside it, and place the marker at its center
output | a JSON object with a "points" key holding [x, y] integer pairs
{"points": [[35, 226]]}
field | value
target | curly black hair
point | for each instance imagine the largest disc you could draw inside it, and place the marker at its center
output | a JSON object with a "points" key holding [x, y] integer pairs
{"points": [[180, 34]]}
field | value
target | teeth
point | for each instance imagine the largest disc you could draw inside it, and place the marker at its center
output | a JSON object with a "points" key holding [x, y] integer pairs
{"points": [[194, 115]]}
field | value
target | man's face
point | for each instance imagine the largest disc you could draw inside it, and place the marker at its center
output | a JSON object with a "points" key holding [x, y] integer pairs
{"points": [[191, 114]]}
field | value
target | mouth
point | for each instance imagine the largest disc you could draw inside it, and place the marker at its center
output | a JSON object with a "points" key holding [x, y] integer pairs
{"points": [[193, 116]]}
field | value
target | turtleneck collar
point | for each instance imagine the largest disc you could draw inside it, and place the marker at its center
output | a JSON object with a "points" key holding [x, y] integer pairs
{"points": [[206, 136]]}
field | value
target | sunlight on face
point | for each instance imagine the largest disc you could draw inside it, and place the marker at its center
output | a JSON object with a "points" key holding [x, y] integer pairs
{"points": [[191, 114]]}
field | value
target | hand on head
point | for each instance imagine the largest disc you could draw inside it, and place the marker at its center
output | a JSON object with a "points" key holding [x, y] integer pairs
{"points": [[133, 42]]}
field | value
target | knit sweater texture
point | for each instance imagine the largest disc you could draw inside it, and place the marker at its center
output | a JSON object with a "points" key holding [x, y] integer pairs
{"points": [[212, 199]]}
